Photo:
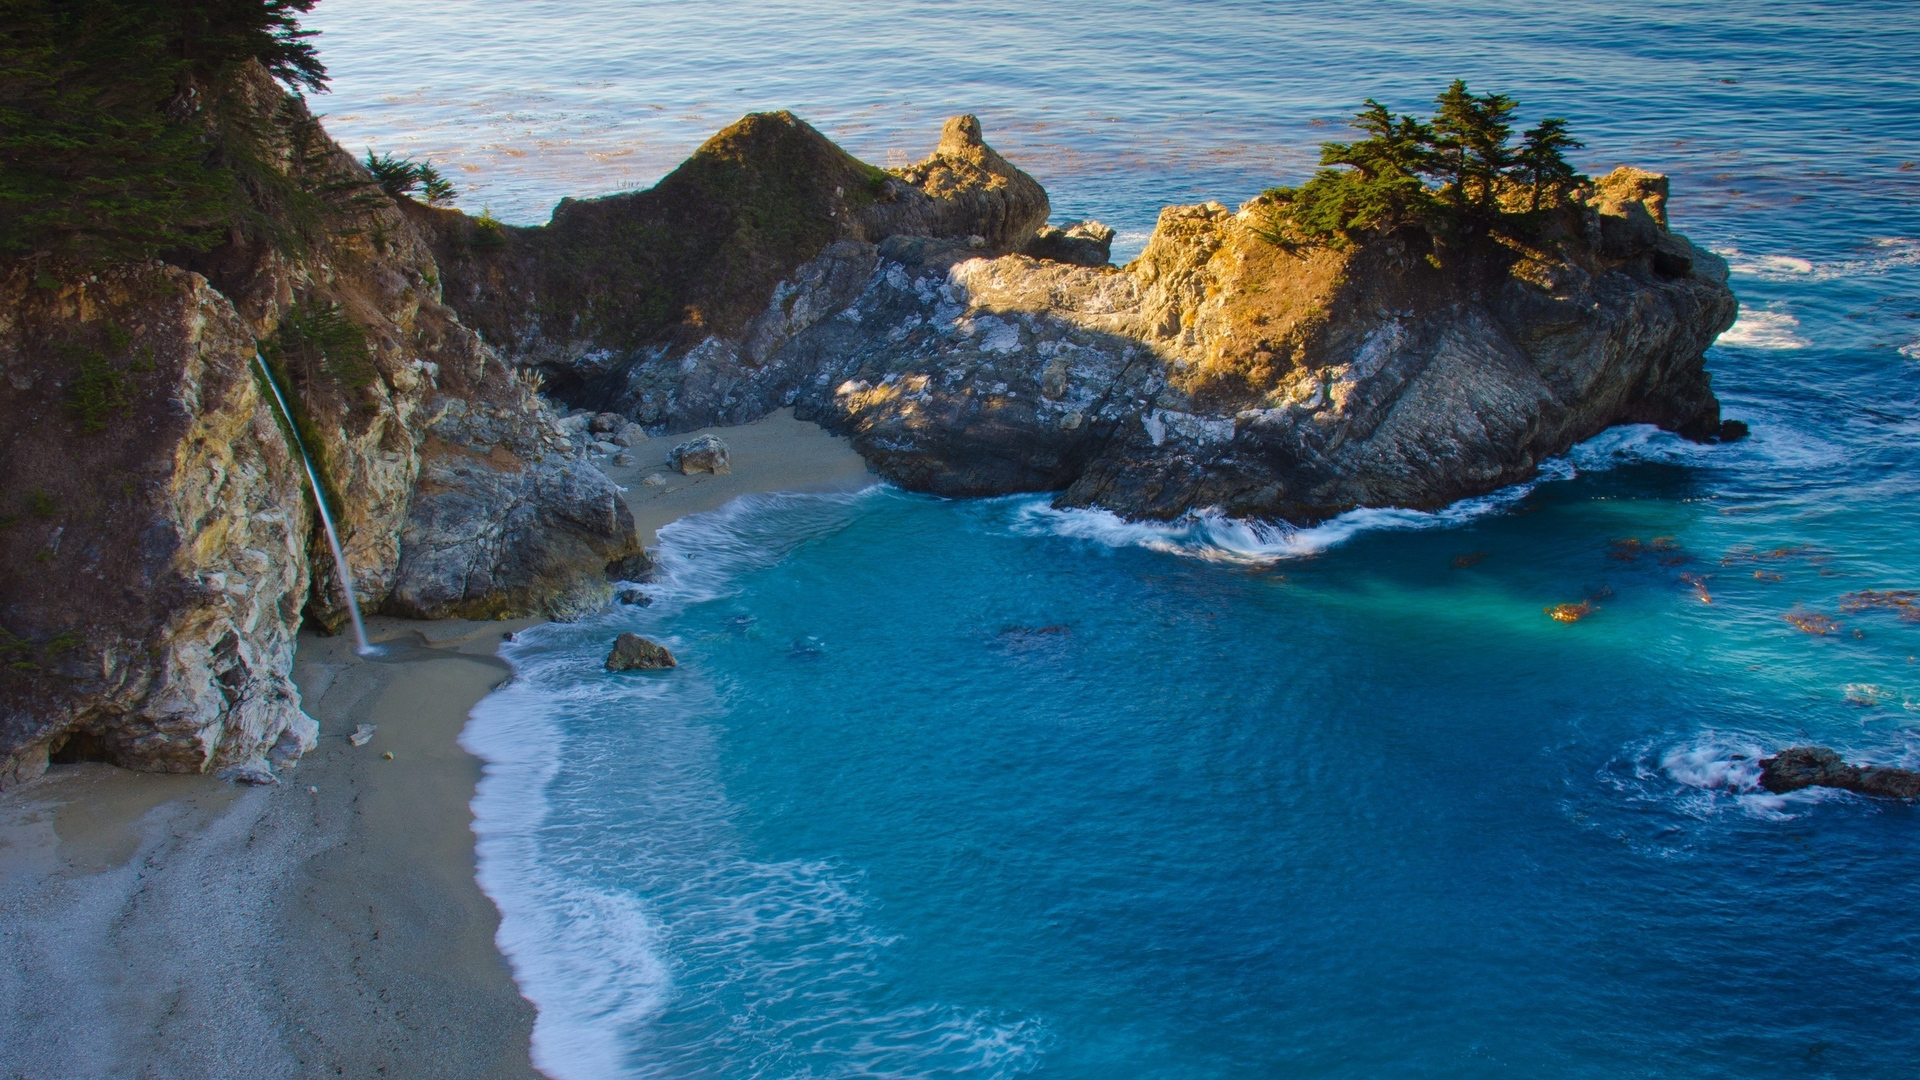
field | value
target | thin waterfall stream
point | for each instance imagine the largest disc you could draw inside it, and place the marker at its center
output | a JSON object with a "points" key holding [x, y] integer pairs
{"points": [[326, 518]]}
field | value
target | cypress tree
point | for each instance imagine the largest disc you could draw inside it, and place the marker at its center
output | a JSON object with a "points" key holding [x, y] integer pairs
{"points": [[108, 148], [1541, 162]]}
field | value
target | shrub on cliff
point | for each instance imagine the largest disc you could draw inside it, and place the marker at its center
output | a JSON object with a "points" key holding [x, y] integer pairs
{"points": [[405, 178], [1436, 174], [111, 142]]}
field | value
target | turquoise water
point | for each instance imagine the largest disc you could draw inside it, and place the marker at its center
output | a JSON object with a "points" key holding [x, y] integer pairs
{"points": [[981, 789]]}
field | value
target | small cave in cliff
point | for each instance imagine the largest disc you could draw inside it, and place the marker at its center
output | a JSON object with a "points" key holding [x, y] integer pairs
{"points": [[76, 747]]}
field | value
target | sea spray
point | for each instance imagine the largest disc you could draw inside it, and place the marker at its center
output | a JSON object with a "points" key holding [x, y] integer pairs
{"points": [[364, 647]]}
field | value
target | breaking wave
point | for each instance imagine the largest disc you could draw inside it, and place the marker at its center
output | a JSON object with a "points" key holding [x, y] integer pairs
{"points": [[1764, 329], [1214, 536], [638, 923]]}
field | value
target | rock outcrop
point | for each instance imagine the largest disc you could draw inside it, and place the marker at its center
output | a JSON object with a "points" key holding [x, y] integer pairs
{"points": [[667, 305], [974, 351], [1816, 766], [631, 652]]}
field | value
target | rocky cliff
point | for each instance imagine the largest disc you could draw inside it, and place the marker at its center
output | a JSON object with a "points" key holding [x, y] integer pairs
{"points": [[157, 546], [968, 350], [159, 551]]}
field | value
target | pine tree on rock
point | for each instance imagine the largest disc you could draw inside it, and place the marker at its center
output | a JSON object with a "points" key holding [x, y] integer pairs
{"points": [[1541, 162]]}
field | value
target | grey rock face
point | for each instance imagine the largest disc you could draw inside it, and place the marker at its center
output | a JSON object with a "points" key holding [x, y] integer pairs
{"points": [[1817, 766], [507, 519], [631, 652]]}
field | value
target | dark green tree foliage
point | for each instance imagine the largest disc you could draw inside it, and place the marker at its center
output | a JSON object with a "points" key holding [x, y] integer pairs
{"points": [[316, 341], [404, 177], [1541, 160], [106, 151], [1381, 183]]}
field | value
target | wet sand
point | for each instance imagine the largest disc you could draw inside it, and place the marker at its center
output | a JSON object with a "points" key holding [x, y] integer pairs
{"points": [[180, 927]]}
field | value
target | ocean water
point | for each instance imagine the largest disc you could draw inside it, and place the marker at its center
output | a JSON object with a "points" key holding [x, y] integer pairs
{"points": [[981, 789]]}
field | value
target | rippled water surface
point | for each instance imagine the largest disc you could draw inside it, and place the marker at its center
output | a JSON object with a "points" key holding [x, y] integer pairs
{"points": [[981, 789]]}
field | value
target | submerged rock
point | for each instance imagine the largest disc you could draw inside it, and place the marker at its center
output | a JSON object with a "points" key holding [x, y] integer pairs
{"points": [[631, 652], [705, 454], [1816, 766]]}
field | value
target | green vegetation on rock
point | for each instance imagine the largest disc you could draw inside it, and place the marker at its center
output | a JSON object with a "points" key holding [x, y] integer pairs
{"points": [[316, 340], [1438, 175], [112, 144], [405, 178]]}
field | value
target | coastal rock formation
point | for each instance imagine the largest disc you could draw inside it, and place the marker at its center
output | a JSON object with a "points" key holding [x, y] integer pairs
{"points": [[157, 548], [973, 351], [1082, 243], [1816, 766], [667, 305], [153, 530], [631, 652]]}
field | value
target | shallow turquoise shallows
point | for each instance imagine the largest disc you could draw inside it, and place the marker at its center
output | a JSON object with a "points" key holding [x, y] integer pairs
{"points": [[980, 789]]}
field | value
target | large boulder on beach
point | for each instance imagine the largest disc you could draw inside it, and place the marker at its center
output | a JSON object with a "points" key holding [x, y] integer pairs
{"points": [[706, 454], [631, 652], [1816, 766]]}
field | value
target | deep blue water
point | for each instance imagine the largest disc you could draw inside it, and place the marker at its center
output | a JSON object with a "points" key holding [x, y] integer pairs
{"points": [[978, 789]]}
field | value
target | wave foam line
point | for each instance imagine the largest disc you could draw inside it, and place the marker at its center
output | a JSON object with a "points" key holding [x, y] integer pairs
{"points": [[586, 958], [1213, 536]]}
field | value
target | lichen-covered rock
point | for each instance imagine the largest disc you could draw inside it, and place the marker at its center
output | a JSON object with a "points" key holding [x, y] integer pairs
{"points": [[706, 454], [1816, 766], [631, 652], [153, 531]]}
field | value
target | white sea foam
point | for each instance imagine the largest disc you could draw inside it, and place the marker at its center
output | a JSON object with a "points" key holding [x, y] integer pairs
{"points": [[1213, 536], [585, 957], [1717, 771], [1764, 328], [776, 963], [1880, 255], [1911, 350]]}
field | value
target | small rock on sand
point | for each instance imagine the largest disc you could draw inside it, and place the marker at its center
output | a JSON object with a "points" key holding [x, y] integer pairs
{"points": [[362, 734], [656, 480], [631, 652], [704, 454]]}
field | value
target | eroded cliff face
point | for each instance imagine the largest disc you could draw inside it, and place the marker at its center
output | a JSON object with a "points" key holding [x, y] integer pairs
{"points": [[153, 556], [1218, 370], [157, 546], [668, 304]]}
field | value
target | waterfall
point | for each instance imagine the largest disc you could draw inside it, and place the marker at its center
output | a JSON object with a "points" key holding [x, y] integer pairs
{"points": [[320, 502]]}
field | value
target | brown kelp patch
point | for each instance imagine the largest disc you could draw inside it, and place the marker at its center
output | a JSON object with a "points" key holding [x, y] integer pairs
{"points": [[1904, 601], [1570, 613], [1812, 622]]}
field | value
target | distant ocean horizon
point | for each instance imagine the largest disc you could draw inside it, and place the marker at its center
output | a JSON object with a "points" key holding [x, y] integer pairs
{"points": [[985, 789]]}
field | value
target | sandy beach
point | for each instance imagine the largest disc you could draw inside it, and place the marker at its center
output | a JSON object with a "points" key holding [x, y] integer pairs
{"points": [[178, 926]]}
